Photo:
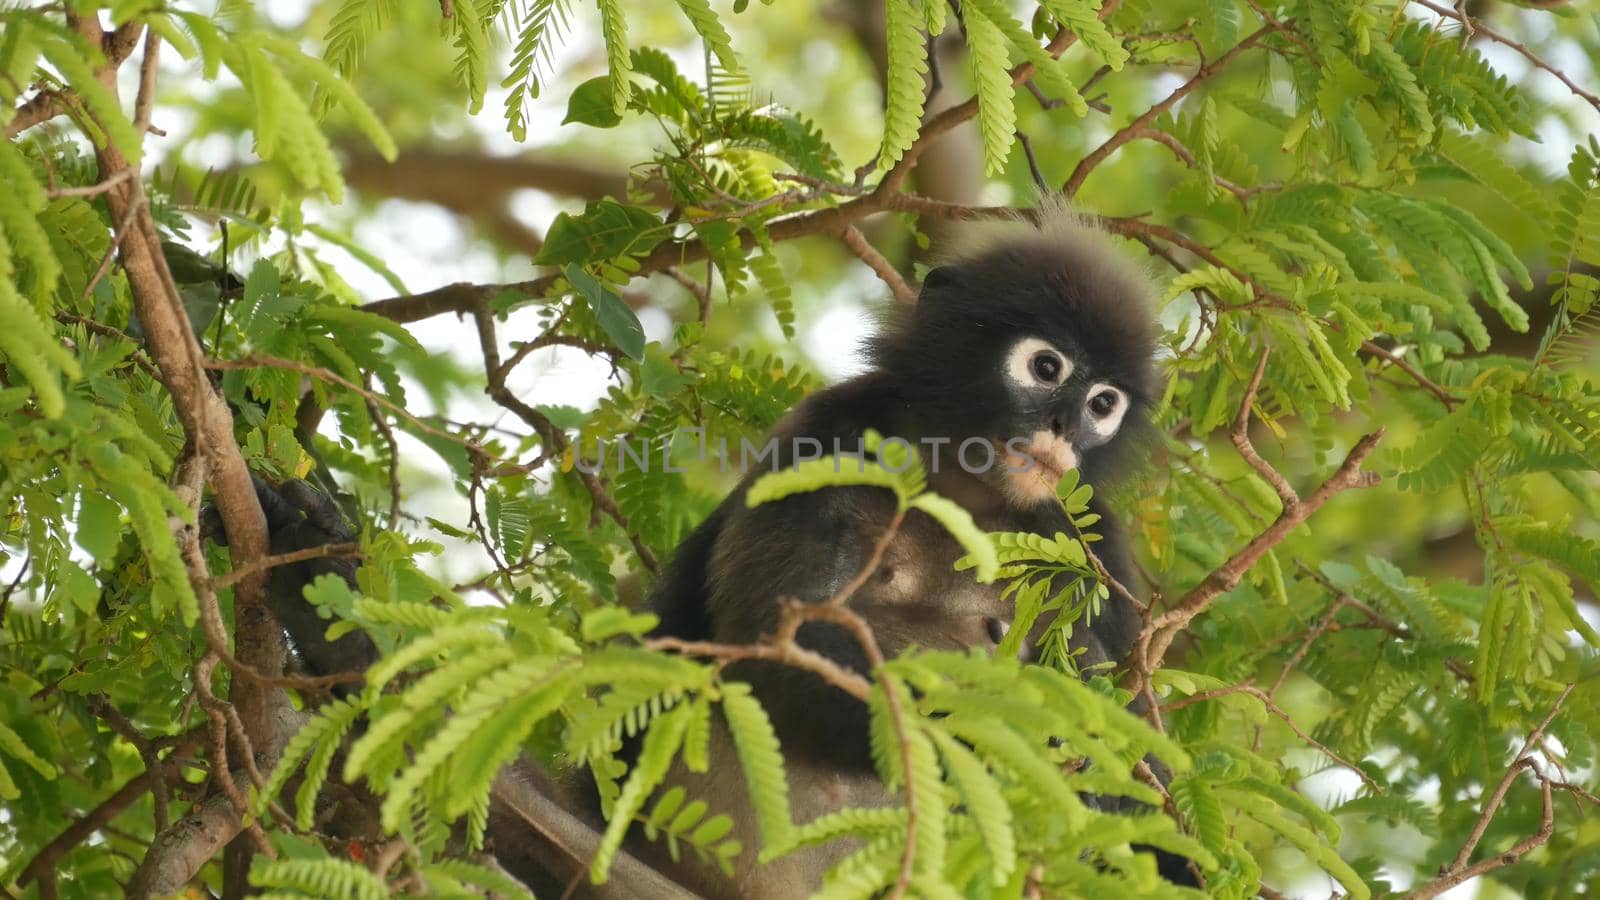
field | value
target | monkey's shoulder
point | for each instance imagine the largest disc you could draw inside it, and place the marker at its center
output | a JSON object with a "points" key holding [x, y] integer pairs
{"points": [[802, 538], [841, 415]]}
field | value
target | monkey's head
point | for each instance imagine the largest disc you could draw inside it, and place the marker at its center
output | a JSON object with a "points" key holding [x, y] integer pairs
{"points": [[1040, 341]]}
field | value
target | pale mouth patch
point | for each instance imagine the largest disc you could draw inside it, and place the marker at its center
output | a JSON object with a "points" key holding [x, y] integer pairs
{"points": [[1037, 467], [1047, 463]]}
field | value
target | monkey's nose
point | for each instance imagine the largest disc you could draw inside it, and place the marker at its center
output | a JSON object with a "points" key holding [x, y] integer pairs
{"points": [[997, 628]]}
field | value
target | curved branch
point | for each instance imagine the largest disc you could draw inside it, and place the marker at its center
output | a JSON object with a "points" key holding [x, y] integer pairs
{"points": [[1135, 128]]}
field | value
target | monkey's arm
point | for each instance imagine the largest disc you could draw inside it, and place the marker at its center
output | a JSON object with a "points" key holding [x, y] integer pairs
{"points": [[804, 547]]}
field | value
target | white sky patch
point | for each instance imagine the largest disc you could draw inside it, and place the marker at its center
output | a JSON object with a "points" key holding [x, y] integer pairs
{"points": [[832, 340]]}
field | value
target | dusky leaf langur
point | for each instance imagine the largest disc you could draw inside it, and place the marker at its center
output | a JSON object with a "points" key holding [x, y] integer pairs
{"points": [[1027, 355]]}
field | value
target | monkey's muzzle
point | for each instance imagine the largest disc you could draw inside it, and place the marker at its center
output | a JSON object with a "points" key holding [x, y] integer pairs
{"points": [[1035, 468]]}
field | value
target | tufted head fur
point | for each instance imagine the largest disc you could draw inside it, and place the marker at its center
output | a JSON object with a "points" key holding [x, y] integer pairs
{"points": [[1015, 284]]}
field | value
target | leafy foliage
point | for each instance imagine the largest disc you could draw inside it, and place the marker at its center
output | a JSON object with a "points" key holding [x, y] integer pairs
{"points": [[1353, 189]]}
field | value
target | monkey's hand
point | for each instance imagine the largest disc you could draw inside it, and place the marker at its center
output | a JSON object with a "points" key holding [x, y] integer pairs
{"points": [[299, 517]]}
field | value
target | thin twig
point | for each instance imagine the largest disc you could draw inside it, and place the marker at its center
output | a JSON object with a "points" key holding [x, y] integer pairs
{"points": [[463, 298], [1423, 381], [1476, 26], [5, 598], [43, 863], [221, 771], [783, 646], [864, 251], [1033, 161], [145, 100], [93, 190], [1184, 155], [1379, 620], [1080, 174], [118, 235], [1499, 794], [323, 374], [321, 551], [555, 443], [1273, 707], [1240, 435], [702, 294], [102, 706], [789, 654], [1157, 635]]}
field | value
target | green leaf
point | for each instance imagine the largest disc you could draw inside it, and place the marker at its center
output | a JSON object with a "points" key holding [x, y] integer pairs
{"points": [[815, 474], [616, 319], [100, 527], [590, 104], [710, 28], [955, 518], [661, 742], [12, 744], [763, 765], [610, 621], [614, 29], [984, 800], [997, 115], [903, 90], [606, 230]]}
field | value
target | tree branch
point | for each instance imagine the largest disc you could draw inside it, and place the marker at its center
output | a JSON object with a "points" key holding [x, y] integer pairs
{"points": [[44, 862], [555, 443], [1156, 637], [180, 851], [463, 298], [1133, 129], [864, 251], [1458, 871], [1273, 707], [1240, 435], [1476, 26]]}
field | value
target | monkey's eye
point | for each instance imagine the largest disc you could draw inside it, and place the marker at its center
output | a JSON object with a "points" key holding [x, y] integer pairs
{"points": [[1103, 403], [1046, 367], [1032, 363]]}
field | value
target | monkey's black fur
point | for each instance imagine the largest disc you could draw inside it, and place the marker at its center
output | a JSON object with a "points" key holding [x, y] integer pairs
{"points": [[939, 373]]}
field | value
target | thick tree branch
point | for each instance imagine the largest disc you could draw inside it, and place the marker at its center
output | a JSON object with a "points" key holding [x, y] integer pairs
{"points": [[40, 108], [576, 842], [43, 863], [180, 851], [204, 415], [473, 182], [116, 46]]}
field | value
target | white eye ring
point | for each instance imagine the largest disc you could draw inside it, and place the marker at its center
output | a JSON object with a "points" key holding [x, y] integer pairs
{"points": [[1020, 363], [1099, 418]]}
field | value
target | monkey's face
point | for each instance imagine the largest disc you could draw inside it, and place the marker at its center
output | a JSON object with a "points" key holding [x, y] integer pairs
{"points": [[1062, 411], [1042, 345]]}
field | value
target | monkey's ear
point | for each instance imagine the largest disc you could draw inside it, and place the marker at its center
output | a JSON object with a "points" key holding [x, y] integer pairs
{"points": [[940, 278]]}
